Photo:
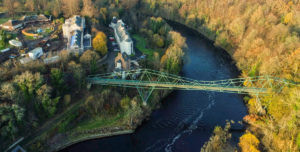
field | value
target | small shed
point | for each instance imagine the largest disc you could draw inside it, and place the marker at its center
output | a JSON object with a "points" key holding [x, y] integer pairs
{"points": [[5, 50], [36, 53]]}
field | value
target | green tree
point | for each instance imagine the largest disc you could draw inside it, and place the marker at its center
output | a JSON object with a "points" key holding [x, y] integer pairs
{"points": [[100, 43], [48, 104], [57, 81], [10, 117], [3, 39]]}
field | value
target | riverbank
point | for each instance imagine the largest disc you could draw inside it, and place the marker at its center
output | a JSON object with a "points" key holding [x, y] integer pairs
{"points": [[186, 119], [90, 136]]}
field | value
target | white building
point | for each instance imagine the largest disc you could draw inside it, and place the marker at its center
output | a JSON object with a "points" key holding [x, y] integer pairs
{"points": [[36, 53], [73, 30], [122, 36], [15, 43]]}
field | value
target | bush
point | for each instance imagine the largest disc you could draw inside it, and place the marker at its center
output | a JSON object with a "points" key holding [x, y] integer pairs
{"points": [[125, 103]]}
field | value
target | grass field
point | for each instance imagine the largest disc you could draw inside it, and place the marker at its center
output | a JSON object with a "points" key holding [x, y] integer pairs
{"points": [[100, 122], [141, 44], [3, 20]]}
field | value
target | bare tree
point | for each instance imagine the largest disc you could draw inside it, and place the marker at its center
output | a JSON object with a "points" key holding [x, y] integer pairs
{"points": [[9, 5], [70, 7], [88, 8], [30, 5]]}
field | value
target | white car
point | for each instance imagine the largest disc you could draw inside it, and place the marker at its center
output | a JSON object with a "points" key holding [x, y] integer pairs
{"points": [[114, 43]]}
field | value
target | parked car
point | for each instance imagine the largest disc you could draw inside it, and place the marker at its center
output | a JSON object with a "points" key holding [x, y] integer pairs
{"points": [[12, 56], [111, 38], [114, 43]]}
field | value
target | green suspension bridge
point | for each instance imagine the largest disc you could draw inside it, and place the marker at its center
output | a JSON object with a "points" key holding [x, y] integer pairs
{"points": [[146, 80]]}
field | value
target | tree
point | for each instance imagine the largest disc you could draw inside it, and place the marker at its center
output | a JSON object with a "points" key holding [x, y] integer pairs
{"points": [[8, 91], [77, 72], [3, 39], [10, 117], [9, 5], [57, 81], [94, 104], [176, 39], [129, 4], [48, 104], [88, 8], [30, 5], [100, 43], [70, 7], [125, 103], [28, 83], [103, 15], [158, 41], [249, 143], [56, 8], [89, 60]]}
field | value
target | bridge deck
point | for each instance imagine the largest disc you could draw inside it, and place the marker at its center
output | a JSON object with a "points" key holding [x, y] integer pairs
{"points": [[174, 86]]}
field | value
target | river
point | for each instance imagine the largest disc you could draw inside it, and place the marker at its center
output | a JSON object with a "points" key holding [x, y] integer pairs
{"points": [[186, 119]]}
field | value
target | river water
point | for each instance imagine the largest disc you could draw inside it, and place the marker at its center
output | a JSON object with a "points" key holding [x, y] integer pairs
{"points": [[187, 118]]}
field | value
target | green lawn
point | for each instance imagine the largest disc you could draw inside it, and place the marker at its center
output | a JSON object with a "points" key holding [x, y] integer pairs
{"points": [[100, 122], [30, 38], [3, 20], [141, 44]]}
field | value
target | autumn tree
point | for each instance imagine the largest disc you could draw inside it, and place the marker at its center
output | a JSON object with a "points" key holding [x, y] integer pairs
{"points": [[89, 61], [103, 15], [158, 41], [70, 7], [8, 91], [88, 8], [100, 43], [219, 142], [77, 72], [125, 103], [9, 5], [94, 104], [30, 5], [172, 59], [249, 143], [56, 8], [129, 4]]}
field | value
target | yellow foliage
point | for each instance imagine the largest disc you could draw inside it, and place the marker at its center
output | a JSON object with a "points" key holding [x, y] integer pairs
{"points": [[100, 43], [288, 18], [252, 106], [278, 109], [249, 143]]}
